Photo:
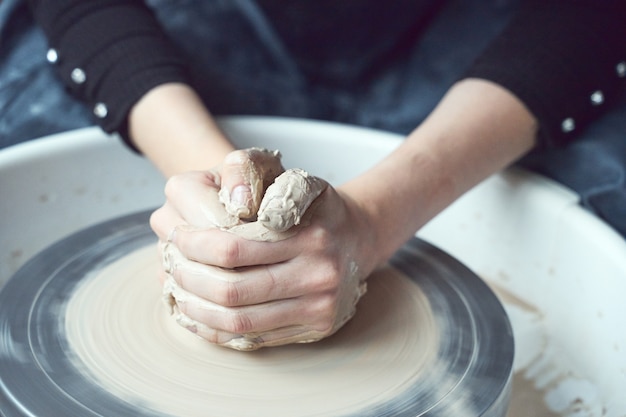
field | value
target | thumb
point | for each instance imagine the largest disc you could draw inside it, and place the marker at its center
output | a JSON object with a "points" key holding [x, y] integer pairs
{"points": [[287, 199], [246, 174]]}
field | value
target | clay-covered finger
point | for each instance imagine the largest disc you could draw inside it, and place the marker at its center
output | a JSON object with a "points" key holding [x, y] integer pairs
{"points": [[277, 337], [246, 174], [288, 198], [250, 327], [232, 287], [194, 195], [173, 295], [250, 341]]}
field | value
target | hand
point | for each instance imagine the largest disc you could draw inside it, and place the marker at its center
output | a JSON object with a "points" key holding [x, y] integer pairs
{"points": [[199, 203], [300, 285], [205, 199]]}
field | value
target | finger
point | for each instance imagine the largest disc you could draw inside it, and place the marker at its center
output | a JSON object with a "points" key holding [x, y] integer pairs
{"points": [[229, 250], [250, 341], [246, 174], [228, 287], [164, 220], [215, 336], [260, 320], [287, 199], [194, 195], [278, 337], [296, 320], [162, 274]]}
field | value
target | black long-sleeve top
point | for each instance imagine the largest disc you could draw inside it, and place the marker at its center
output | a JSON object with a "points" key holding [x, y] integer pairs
{"points": [[566, 60]]}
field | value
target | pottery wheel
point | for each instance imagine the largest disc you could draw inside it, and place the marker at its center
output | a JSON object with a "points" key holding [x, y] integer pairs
{"points": [[43, 372]]}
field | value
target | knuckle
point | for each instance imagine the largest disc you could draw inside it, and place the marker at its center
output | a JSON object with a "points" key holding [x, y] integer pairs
{"points": [[210, 335], [237, 157], [321, 238], [328, 277], [228, 295], [156, 220], [228, 253], [178, 184], [325, 312], [238, 322], [173, 184]]}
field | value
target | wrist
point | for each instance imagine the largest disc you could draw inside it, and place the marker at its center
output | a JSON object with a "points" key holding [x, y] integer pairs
{"points": [[396, 198], [171, 126], [458, 146], [375, 234]]}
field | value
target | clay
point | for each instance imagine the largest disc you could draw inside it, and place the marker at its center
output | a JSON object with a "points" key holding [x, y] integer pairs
{"points": [[527, 400], [258, 167], [287, 199], [124, 339]]}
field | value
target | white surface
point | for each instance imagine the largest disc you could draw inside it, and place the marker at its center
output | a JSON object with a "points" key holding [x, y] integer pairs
{"points": [[54, 186], [564, 269]]}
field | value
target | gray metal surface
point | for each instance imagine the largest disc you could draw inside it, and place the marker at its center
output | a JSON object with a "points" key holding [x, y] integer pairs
{"points": [[470, 377]]}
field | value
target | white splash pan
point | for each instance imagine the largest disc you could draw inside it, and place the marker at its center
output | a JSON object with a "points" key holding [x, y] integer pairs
{"points": [[561, 271]]}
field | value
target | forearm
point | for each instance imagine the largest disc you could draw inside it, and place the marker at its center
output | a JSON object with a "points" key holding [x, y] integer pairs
{"points": [[171, 126], [477, 129], [135, 77], [566, 76]]}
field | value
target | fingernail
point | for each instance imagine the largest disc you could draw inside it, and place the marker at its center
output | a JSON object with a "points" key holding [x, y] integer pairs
{"points": [[240, 195]]}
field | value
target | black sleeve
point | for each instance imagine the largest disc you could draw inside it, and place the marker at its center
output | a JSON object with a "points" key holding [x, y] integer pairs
{"points": [[108, 53], [566, 60]]}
